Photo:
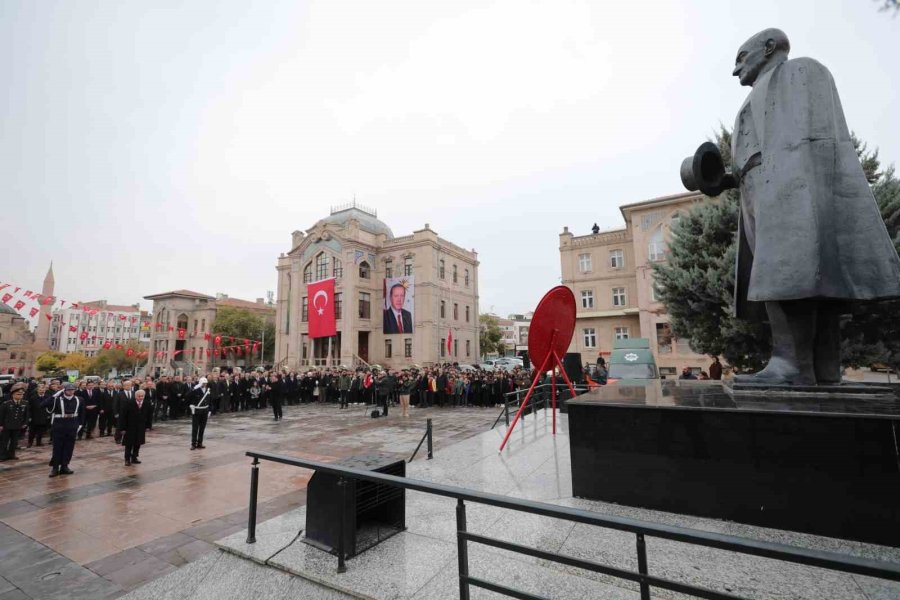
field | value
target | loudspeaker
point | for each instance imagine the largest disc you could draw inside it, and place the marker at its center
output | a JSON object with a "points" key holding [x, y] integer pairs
{"points": [[572, 365]]}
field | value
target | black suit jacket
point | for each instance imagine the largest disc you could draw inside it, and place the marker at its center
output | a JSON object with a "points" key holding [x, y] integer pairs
{"points": [[390, 323], [133, 421]]}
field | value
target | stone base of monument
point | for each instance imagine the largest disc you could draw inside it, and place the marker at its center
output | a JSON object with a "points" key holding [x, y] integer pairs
{"points": [[846, 390], [825, 465]]}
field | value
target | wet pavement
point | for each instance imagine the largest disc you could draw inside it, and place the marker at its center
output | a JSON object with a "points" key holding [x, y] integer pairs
{"points": [[109, 528]]}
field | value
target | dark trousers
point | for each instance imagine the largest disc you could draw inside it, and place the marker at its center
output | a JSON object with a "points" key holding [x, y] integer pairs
{"points": [[90, 422], [63, 442], [132, 451], [9, 439], [384, 404], [344, 397], [36, 432], [198, 426], [276, 407], [162, 409], [107, 420]]}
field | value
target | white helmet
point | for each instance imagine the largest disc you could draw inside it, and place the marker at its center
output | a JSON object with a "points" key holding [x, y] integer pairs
{"points": [[203, 381]]}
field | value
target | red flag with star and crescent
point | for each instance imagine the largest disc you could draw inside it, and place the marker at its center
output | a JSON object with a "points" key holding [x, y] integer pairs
{"points": [[322, 322]]}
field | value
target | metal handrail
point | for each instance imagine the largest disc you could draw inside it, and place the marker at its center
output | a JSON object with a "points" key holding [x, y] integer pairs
{"points": [[504, 412], [794, 554], [427, 436]]}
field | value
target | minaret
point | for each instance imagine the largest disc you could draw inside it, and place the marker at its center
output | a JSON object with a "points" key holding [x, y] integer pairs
{"points": [[42, 334]]}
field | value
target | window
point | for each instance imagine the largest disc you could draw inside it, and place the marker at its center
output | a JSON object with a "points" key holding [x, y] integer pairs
{"points": [[338, 305], [656, 250], [683, 345], [618, 295], [304, 310], [654, 292], [455, 311], [621, 333], [443, 347], [389, 269], [443, 309], [363, 270], [387, 348], [663, 338], [616, 259], [365, 305], [441, 271], [202, 324], [467, 314], [337, 268], [590, 337], [455, 347], [321, 266], [195, 326], [466, 277], [407, 347], [407, 266], [454, 274], [468, 347], [584, 262], [307, 273], [587, 299]]}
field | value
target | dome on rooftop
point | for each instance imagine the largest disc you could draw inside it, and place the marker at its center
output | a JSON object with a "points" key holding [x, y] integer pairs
{"points": [[368, 219], [6, 309]]}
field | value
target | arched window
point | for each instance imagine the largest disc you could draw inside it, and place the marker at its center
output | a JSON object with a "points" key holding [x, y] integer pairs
{"points": [[441, 268], [321, 266], [467, 277], [307, 273], [454, 274], [182, 321], [364, 270]]}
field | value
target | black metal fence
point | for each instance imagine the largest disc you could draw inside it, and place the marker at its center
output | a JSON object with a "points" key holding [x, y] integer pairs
{"points": [[540, 397], [641, 530]]}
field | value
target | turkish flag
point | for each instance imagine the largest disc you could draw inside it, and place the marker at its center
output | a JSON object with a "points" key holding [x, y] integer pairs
{"points": [[83, 335], [33, 312], [19, 305], [7, 298], [206, 336], [129, 352], [449, 340], [107, 345], [322, 322], [181, 334]]}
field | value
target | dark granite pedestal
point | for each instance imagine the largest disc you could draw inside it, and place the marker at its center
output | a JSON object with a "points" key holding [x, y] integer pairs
{"points": [[828, 466]]}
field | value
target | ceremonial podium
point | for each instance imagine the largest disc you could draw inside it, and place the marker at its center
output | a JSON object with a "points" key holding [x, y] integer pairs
{"points": [[372, 512]]}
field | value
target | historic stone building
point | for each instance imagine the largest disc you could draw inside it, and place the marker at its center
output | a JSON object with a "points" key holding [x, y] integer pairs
{"points": [[610, 273], [192, 313], [361, 253], [17, 348]]}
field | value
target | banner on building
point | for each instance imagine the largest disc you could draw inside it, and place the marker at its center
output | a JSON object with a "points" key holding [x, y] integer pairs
{"points": [[399, 304], [322, 322]]}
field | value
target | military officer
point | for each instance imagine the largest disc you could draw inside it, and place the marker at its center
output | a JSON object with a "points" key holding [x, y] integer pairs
{"points": [[66, 413]]}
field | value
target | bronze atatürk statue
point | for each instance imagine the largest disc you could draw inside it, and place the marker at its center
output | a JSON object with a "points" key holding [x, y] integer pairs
{"points": [[812, 239]]}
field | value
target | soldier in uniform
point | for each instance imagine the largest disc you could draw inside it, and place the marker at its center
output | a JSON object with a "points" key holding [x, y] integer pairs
{"points": [[13, 419], [66, 412], [199, 399]]}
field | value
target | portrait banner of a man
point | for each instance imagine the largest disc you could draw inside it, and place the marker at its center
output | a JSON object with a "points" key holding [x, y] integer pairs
{"points": [[399, 304]]}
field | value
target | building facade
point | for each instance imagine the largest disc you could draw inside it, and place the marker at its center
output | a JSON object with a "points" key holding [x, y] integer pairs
{"points": [[87, 328], [181, 333], [611, 275], [17, 348], [366, 261]]}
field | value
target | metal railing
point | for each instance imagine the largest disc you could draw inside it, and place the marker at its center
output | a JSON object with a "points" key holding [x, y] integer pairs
{"points": [[641, 529], [424, 437], [512, 399]]}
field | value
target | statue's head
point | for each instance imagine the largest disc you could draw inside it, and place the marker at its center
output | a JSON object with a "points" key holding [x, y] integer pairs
{"points": [[765, 50]]}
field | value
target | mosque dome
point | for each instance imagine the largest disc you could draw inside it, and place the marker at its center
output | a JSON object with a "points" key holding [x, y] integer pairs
{"points": [[6, 309], [367, 219]]}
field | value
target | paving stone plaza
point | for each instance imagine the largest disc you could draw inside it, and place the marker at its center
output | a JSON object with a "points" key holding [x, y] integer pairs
{"points": [[107, 530]]}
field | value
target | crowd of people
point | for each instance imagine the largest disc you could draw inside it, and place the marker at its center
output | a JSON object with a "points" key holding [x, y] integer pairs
{"points": [[123, 410]]}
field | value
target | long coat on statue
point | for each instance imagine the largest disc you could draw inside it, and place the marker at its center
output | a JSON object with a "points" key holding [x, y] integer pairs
{"points": [[809, 225], [133, 421]]}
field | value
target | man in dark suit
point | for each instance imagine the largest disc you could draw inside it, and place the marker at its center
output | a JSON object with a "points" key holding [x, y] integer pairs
{"points": [[396, 318], [151, 397], [92, 401], [134, 415], [122, 397], [107, 409]]}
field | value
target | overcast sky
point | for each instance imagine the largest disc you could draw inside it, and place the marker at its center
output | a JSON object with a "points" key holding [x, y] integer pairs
{"points": [[151, 146]]}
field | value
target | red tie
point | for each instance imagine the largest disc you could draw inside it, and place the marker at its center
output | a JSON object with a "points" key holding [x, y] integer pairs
{"points": [[400, 323]]}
